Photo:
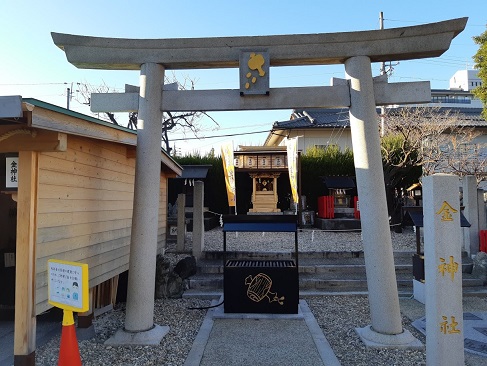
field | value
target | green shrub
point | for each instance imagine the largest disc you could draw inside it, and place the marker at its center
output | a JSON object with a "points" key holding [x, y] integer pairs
{"points": [[318, 162]]}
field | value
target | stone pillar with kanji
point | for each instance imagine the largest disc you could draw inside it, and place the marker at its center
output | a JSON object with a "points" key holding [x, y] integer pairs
{"points": [[443, 270]]}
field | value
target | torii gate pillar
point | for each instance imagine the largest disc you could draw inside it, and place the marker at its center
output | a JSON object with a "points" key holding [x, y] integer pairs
{"points": [[139, 316], [385, 313]]}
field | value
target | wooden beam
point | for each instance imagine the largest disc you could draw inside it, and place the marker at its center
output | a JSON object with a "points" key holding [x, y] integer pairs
{"points": [[131, 152], [25, 316], [24, 139], [85, 320]]}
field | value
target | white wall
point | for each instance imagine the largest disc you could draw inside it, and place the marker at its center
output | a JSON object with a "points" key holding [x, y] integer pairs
{"points": [[465, 80]]}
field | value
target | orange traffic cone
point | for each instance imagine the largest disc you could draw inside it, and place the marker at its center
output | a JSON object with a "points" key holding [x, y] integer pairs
{"points": [[69, 351]]}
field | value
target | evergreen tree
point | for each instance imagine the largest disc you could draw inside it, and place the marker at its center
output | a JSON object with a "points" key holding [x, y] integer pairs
{"points": [[480, 59]]}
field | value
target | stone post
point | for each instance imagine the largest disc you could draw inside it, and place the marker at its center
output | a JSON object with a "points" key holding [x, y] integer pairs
{"points": [[386, 327], [198, 220], [181, 222], [143, 246], [481, 210], [471, 212], [443, 270]]}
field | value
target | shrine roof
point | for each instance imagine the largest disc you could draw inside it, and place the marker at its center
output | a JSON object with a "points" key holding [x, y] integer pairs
{"points": [[416, 215], [194, 171], [334, 182], [333, 118]]}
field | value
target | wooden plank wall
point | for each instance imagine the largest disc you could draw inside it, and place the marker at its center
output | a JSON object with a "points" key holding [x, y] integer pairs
{"points": [[85, 198]]}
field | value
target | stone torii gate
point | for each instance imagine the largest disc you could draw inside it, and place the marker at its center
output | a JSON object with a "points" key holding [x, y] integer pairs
{"points": [[360, 92]]}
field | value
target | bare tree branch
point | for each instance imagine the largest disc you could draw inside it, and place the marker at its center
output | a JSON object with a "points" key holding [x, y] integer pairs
{"points": [[435, 139], [186, 121]]}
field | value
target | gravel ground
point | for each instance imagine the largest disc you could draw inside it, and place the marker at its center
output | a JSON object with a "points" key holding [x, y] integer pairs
{"points": [[338, 316], [184, 326], [309, 240]]}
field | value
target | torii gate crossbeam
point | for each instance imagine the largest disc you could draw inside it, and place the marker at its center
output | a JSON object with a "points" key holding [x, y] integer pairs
{"points": [[395, 44]]}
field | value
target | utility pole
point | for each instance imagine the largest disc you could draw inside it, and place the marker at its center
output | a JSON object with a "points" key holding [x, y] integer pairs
{"points": [[381, 26], [382, 72], [69, 95]]}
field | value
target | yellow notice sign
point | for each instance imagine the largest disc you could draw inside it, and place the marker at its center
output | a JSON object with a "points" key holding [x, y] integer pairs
{"points": [[68, 285]]}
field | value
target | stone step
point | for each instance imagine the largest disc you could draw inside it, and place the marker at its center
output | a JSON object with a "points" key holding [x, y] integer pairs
{"points": [[320, 266], [323, 282], [322, 272], [358, 269], [338, 255], [473, 291]]}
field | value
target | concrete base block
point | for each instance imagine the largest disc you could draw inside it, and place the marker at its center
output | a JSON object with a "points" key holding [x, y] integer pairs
{"points": [[373, 339], [82, 334], [151, 337], [418, 291]]}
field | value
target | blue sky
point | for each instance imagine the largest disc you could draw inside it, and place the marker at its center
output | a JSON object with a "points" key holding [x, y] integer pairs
{"points": [[32, 66]]}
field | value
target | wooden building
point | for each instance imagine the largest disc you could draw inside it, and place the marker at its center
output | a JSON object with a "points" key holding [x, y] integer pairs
{"points": [[73, 201]]}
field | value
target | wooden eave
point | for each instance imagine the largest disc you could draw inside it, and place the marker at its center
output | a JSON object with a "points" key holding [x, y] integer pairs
{"points": [[31, 139], [49, 119], [243, 150], [274, 139], [171, 168]]}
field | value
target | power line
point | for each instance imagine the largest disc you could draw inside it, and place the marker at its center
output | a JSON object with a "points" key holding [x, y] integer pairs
{"points": [[32, 84], [218, 136], [176, 133]]}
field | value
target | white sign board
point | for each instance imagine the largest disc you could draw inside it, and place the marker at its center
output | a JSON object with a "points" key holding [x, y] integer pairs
{"points": [[12, 172], [9, 259]]}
